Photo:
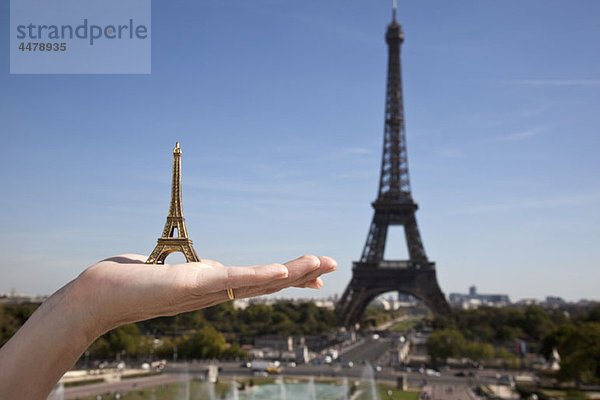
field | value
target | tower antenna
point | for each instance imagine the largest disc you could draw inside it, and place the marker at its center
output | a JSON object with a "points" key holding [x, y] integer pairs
{"points": [[394, 8]]}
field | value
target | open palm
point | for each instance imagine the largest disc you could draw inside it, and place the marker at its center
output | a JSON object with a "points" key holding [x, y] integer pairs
{"points": [[125, 289]]}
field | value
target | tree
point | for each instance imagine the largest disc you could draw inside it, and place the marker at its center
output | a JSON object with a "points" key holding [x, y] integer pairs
{"points": [[593, 315], [204, 343], [9, 324], [100, 349], [283, 325], [579, 350], [124, 339], [235, 352], [165, 349], [537, 323], [445, 343], [509, 359], [478, 351]]}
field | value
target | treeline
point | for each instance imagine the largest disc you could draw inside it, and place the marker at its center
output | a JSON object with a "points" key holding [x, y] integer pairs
{"points": [[284, 318], [127, 343], [216, 332], [12, 317], [506, 333]]}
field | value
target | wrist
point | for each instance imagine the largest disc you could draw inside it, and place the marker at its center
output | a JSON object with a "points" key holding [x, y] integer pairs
{"points": [[85, 312], [47, 345]]}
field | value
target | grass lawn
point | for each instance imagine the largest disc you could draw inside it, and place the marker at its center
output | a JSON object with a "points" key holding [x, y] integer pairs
{"points": [[404, 326], [387, 392], [170, 391]]}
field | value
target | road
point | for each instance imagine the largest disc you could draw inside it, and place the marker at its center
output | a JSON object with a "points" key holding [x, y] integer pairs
{"points": [[415, 379], [121, 386], [370, 350], [181, 372], [443, 392]]}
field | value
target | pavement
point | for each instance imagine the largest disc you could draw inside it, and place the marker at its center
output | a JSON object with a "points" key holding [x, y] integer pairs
{"points": [[370, 350], [121, 386], [447, 392]]}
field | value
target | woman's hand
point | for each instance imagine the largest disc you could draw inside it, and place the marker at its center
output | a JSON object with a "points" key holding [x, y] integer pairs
{"points": [[123, 289]]}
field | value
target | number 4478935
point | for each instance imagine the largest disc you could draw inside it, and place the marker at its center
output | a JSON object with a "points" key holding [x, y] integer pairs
{"points": [[29, 46]]}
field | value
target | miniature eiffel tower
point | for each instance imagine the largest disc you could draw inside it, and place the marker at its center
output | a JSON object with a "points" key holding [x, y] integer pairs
{"points": [[175, 236]]}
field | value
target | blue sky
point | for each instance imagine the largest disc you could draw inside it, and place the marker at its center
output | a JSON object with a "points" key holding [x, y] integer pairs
{"points": [[278, 106]]}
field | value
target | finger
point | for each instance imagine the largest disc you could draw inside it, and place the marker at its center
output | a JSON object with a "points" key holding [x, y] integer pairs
{"points": [[127, 259], [236, 277], [247, 292], [211, 262], [302, 266], [326, 265], [209, 300], [316, 283], [266, 279], [302, 271]]}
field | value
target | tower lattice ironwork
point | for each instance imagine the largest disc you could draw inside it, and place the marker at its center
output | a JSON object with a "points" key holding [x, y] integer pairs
{"points": [[175, 236], [372, 275]]}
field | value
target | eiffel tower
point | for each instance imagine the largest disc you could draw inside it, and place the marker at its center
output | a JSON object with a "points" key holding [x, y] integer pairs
{"points": [[372, 275], [175, 236]]}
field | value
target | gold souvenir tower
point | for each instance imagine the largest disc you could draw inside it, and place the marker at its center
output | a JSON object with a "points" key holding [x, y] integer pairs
{"points": [[175, 236]]}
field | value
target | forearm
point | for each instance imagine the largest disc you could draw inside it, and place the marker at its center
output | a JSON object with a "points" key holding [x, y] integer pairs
{"points": [[47, 345], [123, 289]]}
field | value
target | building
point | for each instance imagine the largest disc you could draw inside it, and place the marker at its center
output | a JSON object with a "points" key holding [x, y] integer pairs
{"points": [[15, 298], [475, 300]]}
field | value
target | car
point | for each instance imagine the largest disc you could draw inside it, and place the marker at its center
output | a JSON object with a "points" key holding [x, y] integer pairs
{"points": [[506, 380], [348, 364], [291, 364], [273, 369], [378, 368], [460, 373]]}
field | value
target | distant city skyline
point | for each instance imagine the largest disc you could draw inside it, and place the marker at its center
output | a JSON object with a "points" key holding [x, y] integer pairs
{"points": [[279, 107]]}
